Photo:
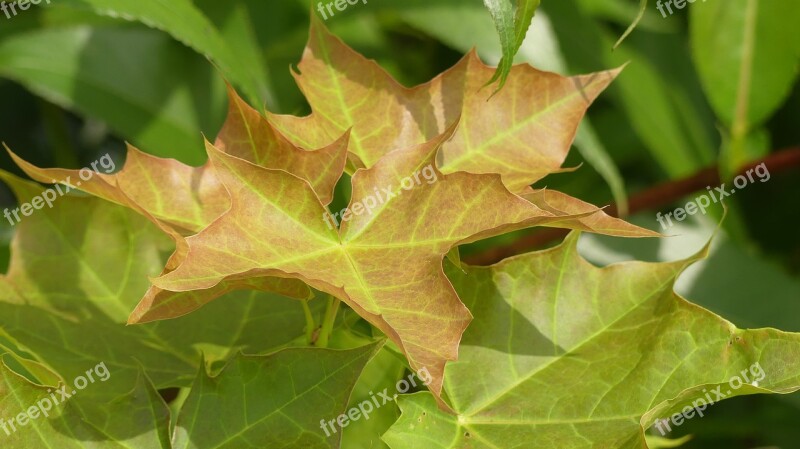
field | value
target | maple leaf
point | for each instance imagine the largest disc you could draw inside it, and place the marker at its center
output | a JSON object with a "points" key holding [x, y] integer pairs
{"points": [[83, 420], [272, 401], [565, 354], [74, 270], [181, 199], [560, 353], [276, 234], [523, 132], [385, 264]]}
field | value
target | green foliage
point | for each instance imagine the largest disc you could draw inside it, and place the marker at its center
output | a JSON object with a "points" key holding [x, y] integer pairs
{"points": [[218, 295], [730, 43], [512, 25], [550, 326], [89, 73]]}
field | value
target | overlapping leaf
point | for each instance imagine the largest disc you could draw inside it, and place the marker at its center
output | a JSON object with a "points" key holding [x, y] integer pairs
{"points": [[548, 325], [76, 272], [138, 418], [187, 198], [385, 263], [272, 401], [247, 135], [291, 235], [564, 354], [183, 199], [523, 132]]}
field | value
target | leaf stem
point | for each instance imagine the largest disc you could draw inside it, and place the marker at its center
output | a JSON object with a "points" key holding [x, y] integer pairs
{"points": [[642, 10], [327, 322], [310, 323]]}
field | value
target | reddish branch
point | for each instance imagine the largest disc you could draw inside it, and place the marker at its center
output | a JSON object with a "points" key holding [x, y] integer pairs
{"points": [[650, 199]]}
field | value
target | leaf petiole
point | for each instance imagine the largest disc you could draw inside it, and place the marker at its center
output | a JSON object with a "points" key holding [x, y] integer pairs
{"points": [[311, 324], [329, 319]]}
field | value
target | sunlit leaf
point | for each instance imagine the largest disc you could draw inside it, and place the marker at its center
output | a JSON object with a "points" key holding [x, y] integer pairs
{"points": [[564, 354]]}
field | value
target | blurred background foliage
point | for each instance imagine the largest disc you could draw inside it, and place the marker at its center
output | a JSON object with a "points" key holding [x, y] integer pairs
{"points": [[713, 85]]}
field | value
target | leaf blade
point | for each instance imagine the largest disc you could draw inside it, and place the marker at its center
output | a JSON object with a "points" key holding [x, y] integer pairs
{"points": [[587, 333]]}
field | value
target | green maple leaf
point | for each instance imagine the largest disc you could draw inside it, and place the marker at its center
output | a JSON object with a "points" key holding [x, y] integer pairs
{"points": [[565, 354], [272, 401], [80, 420]]}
